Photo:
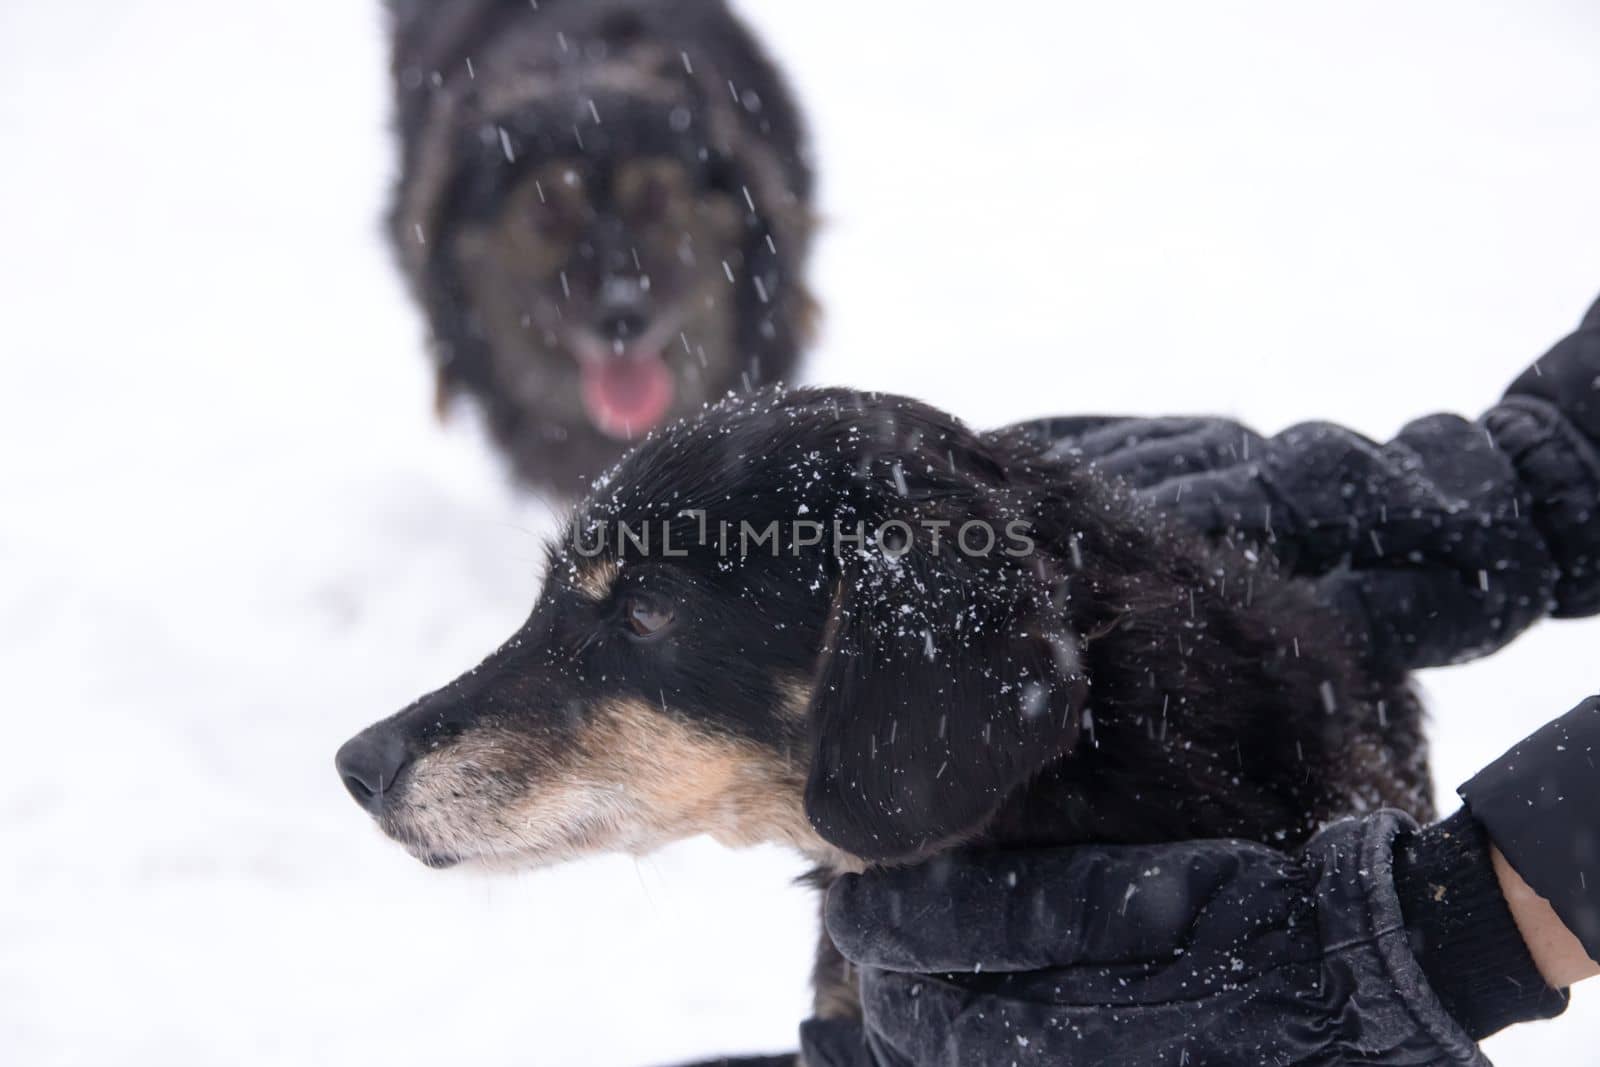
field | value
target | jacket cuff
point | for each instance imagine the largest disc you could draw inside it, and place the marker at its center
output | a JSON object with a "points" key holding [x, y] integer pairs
{"points": [[1538, 803], [1462, 932]]}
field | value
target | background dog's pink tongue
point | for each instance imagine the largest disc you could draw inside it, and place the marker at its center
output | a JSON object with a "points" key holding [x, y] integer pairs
{"points": [[627, 397]]}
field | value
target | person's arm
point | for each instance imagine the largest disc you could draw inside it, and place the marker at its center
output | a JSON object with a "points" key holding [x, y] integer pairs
{"points": [[1464, 931], [1540, 805], [1205, 952], [1512, 881], [1439, 546], [1378, 941]]}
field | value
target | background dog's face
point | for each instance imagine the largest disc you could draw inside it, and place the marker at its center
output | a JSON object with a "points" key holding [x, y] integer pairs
{"points": [[603, 235], [861, 702], [603, 284]]}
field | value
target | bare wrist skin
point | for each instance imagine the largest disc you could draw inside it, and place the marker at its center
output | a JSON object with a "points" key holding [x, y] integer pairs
{"points": [[1560, 957]]}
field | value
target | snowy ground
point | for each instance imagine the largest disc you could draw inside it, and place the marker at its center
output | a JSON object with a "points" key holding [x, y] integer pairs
{"points": [[230, 532]]}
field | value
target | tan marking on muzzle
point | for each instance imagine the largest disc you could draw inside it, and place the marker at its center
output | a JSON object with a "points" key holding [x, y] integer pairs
{"points": [[633, 779]]}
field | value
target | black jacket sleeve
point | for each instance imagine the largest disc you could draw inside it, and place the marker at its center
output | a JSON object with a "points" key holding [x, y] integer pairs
{"points": [[1208, 953], [1540, 803], [1439, 546]]}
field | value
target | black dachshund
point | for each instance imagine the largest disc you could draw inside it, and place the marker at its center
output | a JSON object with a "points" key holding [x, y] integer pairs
{"points": [[847, 622]]}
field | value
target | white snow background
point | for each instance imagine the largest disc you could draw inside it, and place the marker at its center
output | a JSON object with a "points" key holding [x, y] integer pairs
{"points": [[231, 532]]}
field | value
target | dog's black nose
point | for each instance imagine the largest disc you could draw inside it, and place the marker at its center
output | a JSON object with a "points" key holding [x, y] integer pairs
{"points": [[370, 762], [622, 324], [622, 308]]}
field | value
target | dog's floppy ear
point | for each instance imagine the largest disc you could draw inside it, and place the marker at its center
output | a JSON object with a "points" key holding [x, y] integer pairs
{"points": [[944, 683]]}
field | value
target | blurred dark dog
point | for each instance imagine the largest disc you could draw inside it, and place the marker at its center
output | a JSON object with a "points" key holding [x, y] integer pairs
{"points": [[604, 209], [848, 623]]}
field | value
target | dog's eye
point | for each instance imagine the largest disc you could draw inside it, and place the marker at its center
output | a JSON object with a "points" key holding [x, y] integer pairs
{"points": [[645, 617]]}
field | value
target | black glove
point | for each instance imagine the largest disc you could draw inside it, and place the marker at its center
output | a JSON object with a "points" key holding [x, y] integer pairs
{"points": [[1376, 944], [1201, 953], [1440, 546]]}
